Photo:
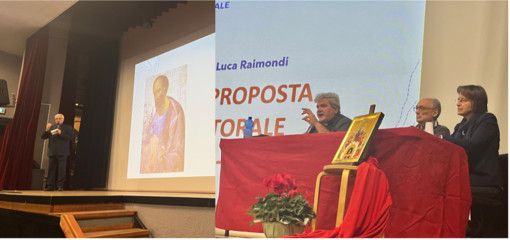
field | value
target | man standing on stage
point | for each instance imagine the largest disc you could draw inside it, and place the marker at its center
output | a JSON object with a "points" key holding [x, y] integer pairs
{"points": [[328, 112], [58, 149]]}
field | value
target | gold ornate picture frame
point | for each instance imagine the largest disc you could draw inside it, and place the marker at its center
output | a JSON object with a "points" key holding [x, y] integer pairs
{"points": [[357, 140]]}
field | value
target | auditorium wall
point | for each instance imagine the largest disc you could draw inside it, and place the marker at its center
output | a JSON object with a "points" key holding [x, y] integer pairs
{"points": [[466, 42], [165, 221], [172, 29]]}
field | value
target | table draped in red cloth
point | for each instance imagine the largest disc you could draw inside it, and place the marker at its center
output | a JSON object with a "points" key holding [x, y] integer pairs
{"points": [[369, 207], [428, 179]]}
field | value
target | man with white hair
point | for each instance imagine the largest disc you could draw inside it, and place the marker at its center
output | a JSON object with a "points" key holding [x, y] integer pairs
{"points": [[58, 149], [328, 112], [428, 110]]}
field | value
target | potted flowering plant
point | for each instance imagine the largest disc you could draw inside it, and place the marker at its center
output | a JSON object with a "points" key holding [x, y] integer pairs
{"points": [[284, 211]]}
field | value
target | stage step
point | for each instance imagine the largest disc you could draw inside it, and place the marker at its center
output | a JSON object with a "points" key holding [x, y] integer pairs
{"points": [[102, 224], [102, 214], [57, 208], [121, 233]]}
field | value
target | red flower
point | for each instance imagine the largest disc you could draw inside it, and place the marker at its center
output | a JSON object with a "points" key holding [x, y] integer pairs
{"points": [[292, 184], [281, 183], [267, 182], [293, 193]]}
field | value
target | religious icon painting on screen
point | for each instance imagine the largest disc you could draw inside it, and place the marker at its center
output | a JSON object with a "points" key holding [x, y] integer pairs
{"points": [[354, 146], [163, 132]]}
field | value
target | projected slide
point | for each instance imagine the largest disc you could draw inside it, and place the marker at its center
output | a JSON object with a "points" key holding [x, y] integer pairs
{"points": [[163, 124], [164, 121], [274, 57]]}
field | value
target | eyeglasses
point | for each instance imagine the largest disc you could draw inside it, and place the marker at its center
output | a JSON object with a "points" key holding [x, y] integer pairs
{"points": [[420, 108], [461, 100]]}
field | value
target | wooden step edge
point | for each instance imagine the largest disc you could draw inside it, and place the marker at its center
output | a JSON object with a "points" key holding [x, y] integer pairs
{"points": [[106, 228], [92, 211], [99, 214], [123, 233], [87, 207], [70, 227]]}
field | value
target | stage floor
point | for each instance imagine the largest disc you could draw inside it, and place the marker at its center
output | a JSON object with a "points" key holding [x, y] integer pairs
{"points": [[74, 193], [50, 202]]}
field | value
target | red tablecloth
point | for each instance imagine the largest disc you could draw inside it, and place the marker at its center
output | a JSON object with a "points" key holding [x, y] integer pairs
{"points": [[428, 179], [368, 211]]}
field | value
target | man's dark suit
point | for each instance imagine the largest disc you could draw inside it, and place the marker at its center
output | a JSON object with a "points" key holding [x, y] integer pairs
{"points": [[58, 150], [338, 123]]}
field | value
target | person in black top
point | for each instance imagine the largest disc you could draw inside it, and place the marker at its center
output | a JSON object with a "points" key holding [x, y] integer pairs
{"points": [[478, 134], [328, 113], [58, 149]]}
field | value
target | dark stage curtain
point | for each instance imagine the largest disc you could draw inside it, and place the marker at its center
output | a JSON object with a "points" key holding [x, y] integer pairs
{"points": [[93, 150], [17, 149]]}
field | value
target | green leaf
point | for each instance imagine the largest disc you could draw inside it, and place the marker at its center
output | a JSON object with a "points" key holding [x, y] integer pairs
{"points": [[276, 208]]}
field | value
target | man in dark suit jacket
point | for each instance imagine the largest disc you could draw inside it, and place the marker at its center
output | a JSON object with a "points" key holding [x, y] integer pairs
{"points": [[329, 118], [58, 149]]}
